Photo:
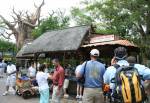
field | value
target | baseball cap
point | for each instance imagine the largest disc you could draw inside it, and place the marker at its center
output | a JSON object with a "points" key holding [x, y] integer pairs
{"points": [[95, 52]]}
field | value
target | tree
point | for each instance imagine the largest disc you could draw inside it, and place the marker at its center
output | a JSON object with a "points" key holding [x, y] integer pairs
{"points": [[56, 20], [126, 18], [121, 16], [6, 46], [22, 25]]}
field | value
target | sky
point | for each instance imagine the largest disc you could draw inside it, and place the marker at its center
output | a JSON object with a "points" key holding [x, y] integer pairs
{"points": [[28, 5]]}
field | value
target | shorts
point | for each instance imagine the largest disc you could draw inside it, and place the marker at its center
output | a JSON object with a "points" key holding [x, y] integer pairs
{"points": [[56, 98], [79, 83], [11, 81], [93, 95], [66, 84], [1, 71]]}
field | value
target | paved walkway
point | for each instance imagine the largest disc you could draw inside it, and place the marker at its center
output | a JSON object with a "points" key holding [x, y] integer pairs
{"points": [[17, 99]]}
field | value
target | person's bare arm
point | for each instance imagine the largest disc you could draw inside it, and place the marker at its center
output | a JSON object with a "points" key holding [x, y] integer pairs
{"points": [[147, 86], [113, 61], [50, 77], [78, 75], [12, 73]]}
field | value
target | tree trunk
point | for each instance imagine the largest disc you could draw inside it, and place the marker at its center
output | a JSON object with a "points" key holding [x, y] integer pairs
{"points": [[20, 41], [23, 25]]}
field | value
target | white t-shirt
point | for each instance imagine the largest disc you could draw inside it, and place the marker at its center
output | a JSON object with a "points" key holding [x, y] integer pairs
{"points": [[32, 72], [46, 70], [78, 69], [41, 78], [10, 69]]}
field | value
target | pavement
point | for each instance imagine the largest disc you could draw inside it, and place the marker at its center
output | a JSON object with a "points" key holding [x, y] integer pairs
{"points": [[17, 99]]}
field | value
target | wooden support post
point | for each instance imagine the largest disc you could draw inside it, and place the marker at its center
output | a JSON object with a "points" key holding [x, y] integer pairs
{"points": [[64, 57], [36, 60]]}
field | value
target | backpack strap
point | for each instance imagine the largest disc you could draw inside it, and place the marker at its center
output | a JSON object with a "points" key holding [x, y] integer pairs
{"points": [[116, 66], [131, 64], [85, 68]]}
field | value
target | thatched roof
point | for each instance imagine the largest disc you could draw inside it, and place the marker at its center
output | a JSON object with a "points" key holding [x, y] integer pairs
{"points": [[69, 39], [21, 52]]}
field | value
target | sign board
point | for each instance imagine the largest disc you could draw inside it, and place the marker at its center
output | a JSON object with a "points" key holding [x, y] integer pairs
{"points": [[102, 38], [8, 54]]}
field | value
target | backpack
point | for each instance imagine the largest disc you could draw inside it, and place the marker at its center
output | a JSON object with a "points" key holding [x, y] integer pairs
{"points": [[128, 87]]}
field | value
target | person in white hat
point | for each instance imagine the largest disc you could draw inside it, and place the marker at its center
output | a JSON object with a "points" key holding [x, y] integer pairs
{"points": [[93, 72]]}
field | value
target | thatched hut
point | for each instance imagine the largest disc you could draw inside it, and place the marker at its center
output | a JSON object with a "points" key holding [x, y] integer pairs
{"points": [[69, 39], [76, 42], [21, 55]]}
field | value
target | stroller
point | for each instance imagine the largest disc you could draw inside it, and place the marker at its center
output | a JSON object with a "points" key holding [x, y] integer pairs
{"points": [[25, 87]]}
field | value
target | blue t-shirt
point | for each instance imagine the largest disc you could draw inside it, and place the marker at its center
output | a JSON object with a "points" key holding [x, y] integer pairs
{"points": [[2, 65], [94, 72]]}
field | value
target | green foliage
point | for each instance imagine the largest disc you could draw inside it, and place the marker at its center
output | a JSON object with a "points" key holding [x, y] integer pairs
{"points": [[80, 16], [7, 46], [57, 20], [122, 17], [127, 18]]}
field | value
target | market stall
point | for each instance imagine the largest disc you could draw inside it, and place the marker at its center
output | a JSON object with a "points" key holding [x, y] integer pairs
{"points": [[71, 45], [107, 43]]}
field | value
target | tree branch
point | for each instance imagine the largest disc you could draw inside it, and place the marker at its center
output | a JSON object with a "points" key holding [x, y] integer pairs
{"points": [[15, 21], [148, 23], [10, 26], [9, 34], [6, 37], [29, 24], [51, 14], [4, 27], [17, 15], [36, 16], [140, 29], [28, 17]]}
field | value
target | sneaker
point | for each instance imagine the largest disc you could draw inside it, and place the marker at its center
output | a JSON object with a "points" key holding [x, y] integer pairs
{"points": [[14, 93], [66, 96], [80, 97], [77, 97], [5, 93]]}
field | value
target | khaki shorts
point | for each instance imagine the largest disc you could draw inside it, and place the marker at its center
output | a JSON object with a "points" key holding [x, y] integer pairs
{"points": [[56, 98], [66, 84], [93, 95]]}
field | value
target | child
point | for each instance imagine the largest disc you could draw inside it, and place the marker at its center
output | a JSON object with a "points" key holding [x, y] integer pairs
{"points": [[41, 78], [66, 83], [79, 84]]}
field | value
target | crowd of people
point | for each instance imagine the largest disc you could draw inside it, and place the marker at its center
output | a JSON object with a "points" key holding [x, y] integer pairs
{"points": [[97, 76], [92, 78]]}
